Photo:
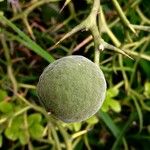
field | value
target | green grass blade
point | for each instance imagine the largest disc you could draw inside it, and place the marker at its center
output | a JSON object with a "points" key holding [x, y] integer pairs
{"points": [[110, 124], [118, 141], [139, 111], [29, 43], [139, 137], [115, 130]]}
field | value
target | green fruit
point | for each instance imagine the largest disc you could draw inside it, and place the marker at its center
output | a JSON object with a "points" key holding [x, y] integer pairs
{"points": [[72, 88]]}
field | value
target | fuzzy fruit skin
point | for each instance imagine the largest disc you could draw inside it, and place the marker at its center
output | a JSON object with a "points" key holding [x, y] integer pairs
{"points": [[72, 88]]}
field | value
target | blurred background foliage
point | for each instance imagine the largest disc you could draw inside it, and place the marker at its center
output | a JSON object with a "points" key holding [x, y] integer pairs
{"points": [[28, 31]]}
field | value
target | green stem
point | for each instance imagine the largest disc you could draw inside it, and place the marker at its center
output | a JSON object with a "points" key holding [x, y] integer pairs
{"points": [[104, 25], [97, 57], [72, 10], [136, 63], [9, 64], [65, 136], [89, 23], [2, 120], [127, 86], [117, 143], [27, 86], [141, 27], [86, 142], [139, 111], [122, 15], [146, 20], [31, 8], [25, 20], [136, 44], [39, 109], [26, 129], [141, 100]]}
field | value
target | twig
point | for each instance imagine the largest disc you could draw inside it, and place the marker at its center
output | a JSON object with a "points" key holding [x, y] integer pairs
{"points": [[104, 25], [122, 15], [90, 23], [9, 64], [84, 42]]}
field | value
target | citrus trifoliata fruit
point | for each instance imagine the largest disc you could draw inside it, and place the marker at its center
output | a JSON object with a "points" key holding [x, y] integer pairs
{"points": [[72, 88]]}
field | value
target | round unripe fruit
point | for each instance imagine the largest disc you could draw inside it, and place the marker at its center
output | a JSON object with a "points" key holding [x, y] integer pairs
{"points": [[72, 88]]}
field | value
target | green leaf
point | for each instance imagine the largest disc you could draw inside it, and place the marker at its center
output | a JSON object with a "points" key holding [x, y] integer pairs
{"points": [[16, 126], [109, 123], [16, 130], [35, 128], [92, 120], [6, 107], [115, 105], [112, 92], [3, 95], [110, 102], [36, 131], [34, 118], [77, 126], [105, 106], [132, 117], [23, 138], [10, 134]]}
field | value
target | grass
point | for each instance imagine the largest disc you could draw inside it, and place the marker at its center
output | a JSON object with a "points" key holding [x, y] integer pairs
{"points": [[34, 34]]}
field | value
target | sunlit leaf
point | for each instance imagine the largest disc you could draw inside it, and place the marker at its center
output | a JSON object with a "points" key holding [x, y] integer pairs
{"points": [[36, 131], [35, 128], [112, 92], [110, 102], [115, 105], [6, 107], [92, 120], [77, 126], [34, 118], [3, 94], [12, 132], [23, 138]]}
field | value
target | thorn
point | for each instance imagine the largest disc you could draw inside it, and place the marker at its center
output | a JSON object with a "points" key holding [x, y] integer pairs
{"points": [[73, 31], [111, 47]]}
